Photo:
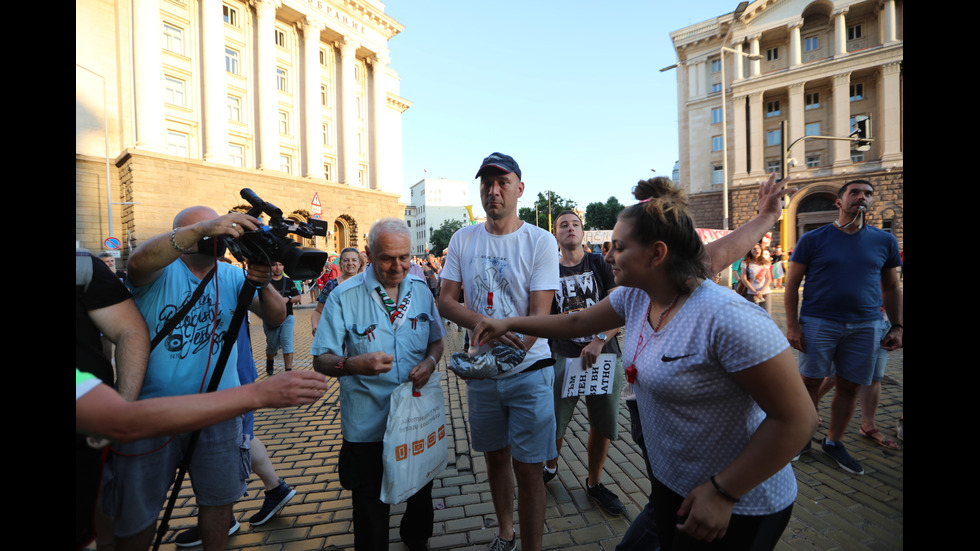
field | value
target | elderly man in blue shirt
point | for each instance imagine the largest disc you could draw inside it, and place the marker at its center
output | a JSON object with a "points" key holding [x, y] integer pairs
{"points": [[379, 329]]}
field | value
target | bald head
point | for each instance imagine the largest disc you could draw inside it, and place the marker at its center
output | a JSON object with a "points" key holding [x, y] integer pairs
{"points": [[193, 215]]}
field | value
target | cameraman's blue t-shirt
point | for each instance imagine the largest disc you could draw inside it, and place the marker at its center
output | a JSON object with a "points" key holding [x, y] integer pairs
{"points": [[181, 363]]}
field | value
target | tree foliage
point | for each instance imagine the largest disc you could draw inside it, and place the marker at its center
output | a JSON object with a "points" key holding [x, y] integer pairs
{"points": [[439, 239], [558, 204], [602, 216]]}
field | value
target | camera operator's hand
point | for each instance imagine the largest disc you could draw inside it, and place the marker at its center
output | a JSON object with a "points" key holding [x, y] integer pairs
{"points": [[233, 224], [260, 275]]}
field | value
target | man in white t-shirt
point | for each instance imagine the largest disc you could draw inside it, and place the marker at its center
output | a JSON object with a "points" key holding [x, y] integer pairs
{"points": [[510, 268]]}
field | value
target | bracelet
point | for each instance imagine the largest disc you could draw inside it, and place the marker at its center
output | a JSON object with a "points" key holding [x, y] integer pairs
{"points": [[434, 362], [896, 325], [173, 242], [722, 491]]}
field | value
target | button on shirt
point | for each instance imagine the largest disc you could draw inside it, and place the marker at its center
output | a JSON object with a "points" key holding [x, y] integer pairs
{"points": [[355, 322]]}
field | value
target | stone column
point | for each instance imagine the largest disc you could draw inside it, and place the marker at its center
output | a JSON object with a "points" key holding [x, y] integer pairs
{"points": [[840, 32], [738, 60], [267, 93], [796, 127], [888, 133], [379, 106], [795, 44], [148, 76], [739, 147], [757, 135], [214, 83], [312, 111], [888, 16], [841, 118], [347, 151], [755, 65]]}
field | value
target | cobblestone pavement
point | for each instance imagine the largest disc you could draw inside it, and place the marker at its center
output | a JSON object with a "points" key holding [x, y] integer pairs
{"points": [[834, 509]]}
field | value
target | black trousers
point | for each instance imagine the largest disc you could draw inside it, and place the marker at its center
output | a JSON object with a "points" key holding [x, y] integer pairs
{"points": [[745, 533], [361, 468]]}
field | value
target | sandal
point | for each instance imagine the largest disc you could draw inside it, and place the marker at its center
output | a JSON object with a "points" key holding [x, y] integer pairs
{"points": [[879, 438]]}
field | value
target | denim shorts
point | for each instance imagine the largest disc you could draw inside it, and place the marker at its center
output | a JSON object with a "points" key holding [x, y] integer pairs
{"points": [[881, 356], [832, 347], [135, 486], [516, 411], [280, 337]]}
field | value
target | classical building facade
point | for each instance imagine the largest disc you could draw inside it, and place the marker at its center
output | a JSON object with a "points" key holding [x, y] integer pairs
{"points": [[821, 66], [432, 202], [184, 102]]}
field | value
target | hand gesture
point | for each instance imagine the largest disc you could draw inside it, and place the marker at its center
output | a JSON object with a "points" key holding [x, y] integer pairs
{"points": [[372, 363], [233, 224], [493, 329], [771, 194], [292, 388], [708, 513]]}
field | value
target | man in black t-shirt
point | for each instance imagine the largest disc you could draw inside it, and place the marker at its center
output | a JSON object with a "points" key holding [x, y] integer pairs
{"points": [[282, 335], [103, 306]]}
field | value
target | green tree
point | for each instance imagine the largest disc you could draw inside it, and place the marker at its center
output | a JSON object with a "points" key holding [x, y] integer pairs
{"points": [[602, 216], [558, 204], [440, 237]]}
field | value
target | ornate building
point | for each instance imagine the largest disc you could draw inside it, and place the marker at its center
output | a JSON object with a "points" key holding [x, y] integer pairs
{"points": [[184, 102], [821, 66]]}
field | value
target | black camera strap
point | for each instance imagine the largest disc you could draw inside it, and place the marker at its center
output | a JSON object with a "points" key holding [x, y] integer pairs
{"points": [[182, 313]]}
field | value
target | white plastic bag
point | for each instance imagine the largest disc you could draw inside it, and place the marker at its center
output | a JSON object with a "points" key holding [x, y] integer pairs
{"points": [[415, 445]]}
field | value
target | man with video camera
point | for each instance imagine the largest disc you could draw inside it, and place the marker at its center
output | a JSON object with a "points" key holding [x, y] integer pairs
{"points": [[164, 274]]}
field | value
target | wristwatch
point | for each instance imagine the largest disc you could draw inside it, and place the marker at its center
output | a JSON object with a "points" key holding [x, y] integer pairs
{"points": [[602, 337]]}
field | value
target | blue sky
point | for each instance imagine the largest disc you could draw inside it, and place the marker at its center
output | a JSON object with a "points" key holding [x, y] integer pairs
{"points": [[571, 89]]}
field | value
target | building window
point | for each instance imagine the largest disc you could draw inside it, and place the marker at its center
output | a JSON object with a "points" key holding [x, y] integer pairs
{"points": [[772, 54], [812, 43], [281, 79], [716, 143], [230, 15], [813, 160], [177, 143], [326, 171], [360, 177], [812, 129], [857, 92], [323, 95], [357, 107], [323, 57], [773, 137], [716, 115], [773, 166], [234, 109], [173, 38], [716, 87], [772, 109], [284, 123], [715, 65], [236, 154], [174, 92], [812, 101], [857, 156], [286, 164], [717, 175], [231, 61], [280, 38], [854, 32]]}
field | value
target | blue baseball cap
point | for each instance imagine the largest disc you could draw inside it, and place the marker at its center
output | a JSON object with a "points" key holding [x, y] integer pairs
{"points": [[502, 162]]}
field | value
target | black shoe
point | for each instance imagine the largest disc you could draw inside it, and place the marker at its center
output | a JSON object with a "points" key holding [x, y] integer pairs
{"points": [[549, 476], [605, 499], [192, 536], [275, 500], [843, 459], [805, 449]]}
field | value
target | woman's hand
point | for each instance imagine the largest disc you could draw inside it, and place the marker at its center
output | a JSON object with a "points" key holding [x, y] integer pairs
{"points": [[490, 329], [708, 513]]}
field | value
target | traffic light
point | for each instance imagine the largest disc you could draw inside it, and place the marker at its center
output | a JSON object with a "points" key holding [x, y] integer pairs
{"points": [[862, 133]]}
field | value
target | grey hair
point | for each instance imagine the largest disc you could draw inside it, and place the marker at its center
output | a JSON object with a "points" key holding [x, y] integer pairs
{"points": [[386, 225]]}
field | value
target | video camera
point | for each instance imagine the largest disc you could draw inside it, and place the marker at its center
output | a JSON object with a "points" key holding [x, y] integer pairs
{"points": [[270, 244]]}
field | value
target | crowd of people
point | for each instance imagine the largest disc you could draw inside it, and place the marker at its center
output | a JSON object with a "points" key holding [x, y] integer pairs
{"points": [[716, 398]]}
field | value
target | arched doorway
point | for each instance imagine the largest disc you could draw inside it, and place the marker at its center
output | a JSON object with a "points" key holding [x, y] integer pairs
{"points": [[344, 233]]}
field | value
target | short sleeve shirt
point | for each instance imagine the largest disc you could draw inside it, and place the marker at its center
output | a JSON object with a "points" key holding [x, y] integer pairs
{"points": [[696, 417]]}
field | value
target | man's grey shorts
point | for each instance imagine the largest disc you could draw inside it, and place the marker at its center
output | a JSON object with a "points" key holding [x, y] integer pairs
{"points": [[603, 408], [135, 485]]}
